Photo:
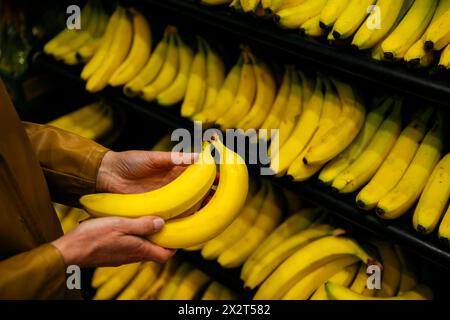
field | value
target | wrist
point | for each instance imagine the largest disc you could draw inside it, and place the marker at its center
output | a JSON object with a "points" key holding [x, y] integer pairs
{"points": [[104, 172]]}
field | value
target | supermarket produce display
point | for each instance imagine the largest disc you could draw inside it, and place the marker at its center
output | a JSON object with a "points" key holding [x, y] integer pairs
{"points": [[360, 142]]}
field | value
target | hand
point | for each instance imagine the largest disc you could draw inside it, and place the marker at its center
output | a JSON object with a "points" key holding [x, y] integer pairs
{"points": [[112, 242], [140, 171]]}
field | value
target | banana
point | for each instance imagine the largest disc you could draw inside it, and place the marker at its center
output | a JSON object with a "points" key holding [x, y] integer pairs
{"points": [[295, 223], [344, 132], [227, 294], [166, 75], [118, 50], [143, 280], [304, 261], [338, 292], [332, 109], [176, 91], [272, 259], [152, 67], [76, 117], [417, 55], [303, 289], [213, 291], [72, 219], [117, 281], [196, 87], [195, 248], [218, 213], [438, 34], [294, 17], [245, 95], [396, 163], [343, 277], [102, 126], [311, 27], [266, 221], [104, 48], [87, 51], [265, 96], [167, 272], [368, 35], [101, 275], [215, 75], [276, 112], [408, 189], [359, 285], [391, 270], [198, 178], [190, 285], [249, 5], [444, 228], [277, 5], [139, 53], [171, 287], [366, 165], [434, 198], [331, 12], [236, 5], [237, 228], [304, 130], [226, 94], [409, 30], [351, 18], [408, 277], [444, 62]]}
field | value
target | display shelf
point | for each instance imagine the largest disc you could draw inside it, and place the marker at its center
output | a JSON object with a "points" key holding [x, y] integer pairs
{"points": [[398, 231], [291, 46]]}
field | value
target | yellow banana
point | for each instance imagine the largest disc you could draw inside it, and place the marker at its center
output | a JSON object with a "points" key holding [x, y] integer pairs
{"points": [[72, 219], [249, 5], [338, 292], [304, 130], [196, 87], [167, 272], [87, 51], [234, 231], [344, 132], [295, 223], [438, 34], [331, 12], [408, 277], [118, 280], [434, 198], [444, 228], [213, 291], [294, 17], [146, 276], [359, 285], [304, 261], [366, 165], [198, 178], [269, 262], [303, 289], [101, 275], [391, 270], [409, 30], [190, 285], [343, 277], [118, 51], [152, 67], [166, 75], [218, 213], [171, 287], [351, 18], [176, 91], [139, 53], [444, 62], [396, 163], [311, 27], [408, 189], [266, 221]]}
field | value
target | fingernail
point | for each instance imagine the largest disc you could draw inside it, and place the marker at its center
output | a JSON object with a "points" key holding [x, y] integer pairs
{"points": [[158, 224]]}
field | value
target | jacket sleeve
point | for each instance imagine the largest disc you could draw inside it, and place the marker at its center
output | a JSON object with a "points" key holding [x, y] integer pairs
{"points": [[35, 274], [70, 162]]}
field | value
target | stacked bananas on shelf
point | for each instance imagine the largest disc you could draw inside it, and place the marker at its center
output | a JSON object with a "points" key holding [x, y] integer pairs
{"points": [[75, 46], [175, 280], [189, 221], [416, 31], [93, 121]]}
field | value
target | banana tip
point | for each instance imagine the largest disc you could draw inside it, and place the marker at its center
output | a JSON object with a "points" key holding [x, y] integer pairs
{"points": [[276, 18], [421, 229], [336, 35], [379, 211], [413, 63], [429, 45], [389, 56], [323, 26], [445, 241], [360, 204]]}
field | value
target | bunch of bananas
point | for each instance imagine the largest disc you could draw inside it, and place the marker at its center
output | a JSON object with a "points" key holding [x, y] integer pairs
{"points": [[93, 121], [183, 199], [175, 280], [75, 46], [417, 31]]}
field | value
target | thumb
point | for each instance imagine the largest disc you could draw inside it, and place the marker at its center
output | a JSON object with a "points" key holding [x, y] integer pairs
{"points": [[143, 226]]}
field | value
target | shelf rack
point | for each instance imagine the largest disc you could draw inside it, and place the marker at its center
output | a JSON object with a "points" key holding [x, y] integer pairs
{"points": [[399, 231], [302, 50]]}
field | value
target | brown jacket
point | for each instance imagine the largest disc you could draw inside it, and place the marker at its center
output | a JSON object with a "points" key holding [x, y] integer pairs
{"points": [[36, 159]]}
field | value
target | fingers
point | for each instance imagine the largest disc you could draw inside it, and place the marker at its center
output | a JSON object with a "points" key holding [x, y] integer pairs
{"points": [[150, 251], [142, 227], [170, 159]]}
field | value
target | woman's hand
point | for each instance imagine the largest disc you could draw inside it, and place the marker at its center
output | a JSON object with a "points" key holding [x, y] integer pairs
{"points": [[112, 242], [140, 171]]}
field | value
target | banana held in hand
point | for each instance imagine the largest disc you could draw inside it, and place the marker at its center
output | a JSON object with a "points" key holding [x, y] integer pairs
{"points": [[220, 211], [167, 202]]}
